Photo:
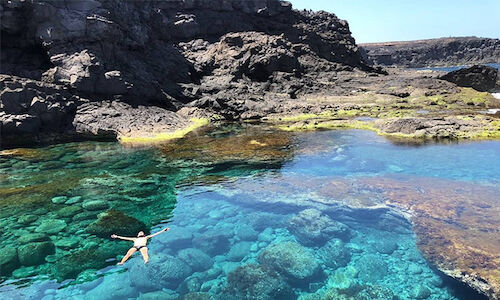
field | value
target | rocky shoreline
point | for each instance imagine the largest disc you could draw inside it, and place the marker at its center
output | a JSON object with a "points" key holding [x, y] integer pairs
{"points": [[441, 52]]}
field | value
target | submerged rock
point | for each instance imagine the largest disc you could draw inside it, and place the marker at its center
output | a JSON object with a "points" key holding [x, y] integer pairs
{"points": [[33, 237], [8, 260], [196, 259], [162, 271], [212, 242], [371, 268], [239, 250], [33, 254], [116, 222], [257, 282], [334, 254], [312, 228], [51, 226], [95, 205], [293, 261], [90, 257], [117, 286]]}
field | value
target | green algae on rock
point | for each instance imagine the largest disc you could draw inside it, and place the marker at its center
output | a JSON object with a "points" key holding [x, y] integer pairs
{"points": [[116, 222]]}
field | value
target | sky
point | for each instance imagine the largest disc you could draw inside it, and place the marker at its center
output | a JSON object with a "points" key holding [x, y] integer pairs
{"points": [[402, 20]]}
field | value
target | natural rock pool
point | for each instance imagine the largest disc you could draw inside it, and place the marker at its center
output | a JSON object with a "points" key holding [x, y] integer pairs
{"points": [[254, 214]]}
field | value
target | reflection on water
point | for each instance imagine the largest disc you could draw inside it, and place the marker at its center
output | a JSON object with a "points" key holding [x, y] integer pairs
{"points": [[253, 214]]}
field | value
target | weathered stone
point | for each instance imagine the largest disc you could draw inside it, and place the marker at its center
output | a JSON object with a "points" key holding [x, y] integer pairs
{"points": [[334, 254], [312, 228], [33, 237], [68, 211], [33, 254], [196, 259], [481, 78], [8, 260], [116, 222], [95, 205], [293, 261], [160, 272], [51, 226], [257, 281]]}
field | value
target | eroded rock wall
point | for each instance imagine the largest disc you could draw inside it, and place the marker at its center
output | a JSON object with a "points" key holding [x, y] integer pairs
{"points": [[169, 53], [434, 52]]}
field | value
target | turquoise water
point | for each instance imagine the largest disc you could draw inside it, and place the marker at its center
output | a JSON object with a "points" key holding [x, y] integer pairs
{"points": [[247, 221]]}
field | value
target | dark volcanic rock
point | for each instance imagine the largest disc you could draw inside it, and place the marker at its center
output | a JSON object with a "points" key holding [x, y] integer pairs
{"points": [[481, 78], [116, 222], [95, 67], [34, 253], [434, 52]]}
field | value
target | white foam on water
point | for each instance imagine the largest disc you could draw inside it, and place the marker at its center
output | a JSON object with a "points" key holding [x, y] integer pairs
{"points": [[496, 95]]}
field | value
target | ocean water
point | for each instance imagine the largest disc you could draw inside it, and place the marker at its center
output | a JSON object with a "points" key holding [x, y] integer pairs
{"points": [[454, 68], [254, 214]]}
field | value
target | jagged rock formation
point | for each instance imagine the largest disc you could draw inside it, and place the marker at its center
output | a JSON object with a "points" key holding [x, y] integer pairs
{"points": [[481, 78], [156, 53], [434, 52]]}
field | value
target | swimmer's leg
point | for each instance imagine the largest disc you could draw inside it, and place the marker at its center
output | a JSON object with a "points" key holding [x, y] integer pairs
{"points": [[144, 252], [127, 256]]}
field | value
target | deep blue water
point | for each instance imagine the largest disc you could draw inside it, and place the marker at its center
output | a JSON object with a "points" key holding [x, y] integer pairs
{"points": [[262, 226]]}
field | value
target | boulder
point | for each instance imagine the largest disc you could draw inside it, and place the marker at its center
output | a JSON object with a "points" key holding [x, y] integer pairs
{"points": [[212, 242], [177, 238], [334, 254], [117, 286], [257, 282], [481, 78], [239, 250], [33, 254], [162, 271], [33, 237], [312, 228], [8, 260], [89, 257], [196, 259], [116, 222], [27, 219], [69, 211], [95, 205], [246, 233], [372, 268], [293, 261], [51, 226]]}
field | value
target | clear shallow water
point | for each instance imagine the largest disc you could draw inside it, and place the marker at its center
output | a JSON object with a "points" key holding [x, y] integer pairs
{"points": [[250, 211]]}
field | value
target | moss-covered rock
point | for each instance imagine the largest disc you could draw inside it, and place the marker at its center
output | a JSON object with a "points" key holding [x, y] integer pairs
{"points": [[33, 254], [91, 257], [33, 237], [8, 260], [116, 222], [51, 226]]}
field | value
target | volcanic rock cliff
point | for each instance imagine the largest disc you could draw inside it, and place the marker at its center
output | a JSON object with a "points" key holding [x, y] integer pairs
{"points": [[69, 65], [434, 52]]}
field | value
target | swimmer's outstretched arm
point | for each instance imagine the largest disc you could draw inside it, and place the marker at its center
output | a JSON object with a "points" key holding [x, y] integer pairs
{"points": [[114, 236], [159, 232]]}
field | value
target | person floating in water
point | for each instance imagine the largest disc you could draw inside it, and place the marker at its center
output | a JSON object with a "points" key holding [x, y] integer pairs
{"points": [[140, 243]]}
